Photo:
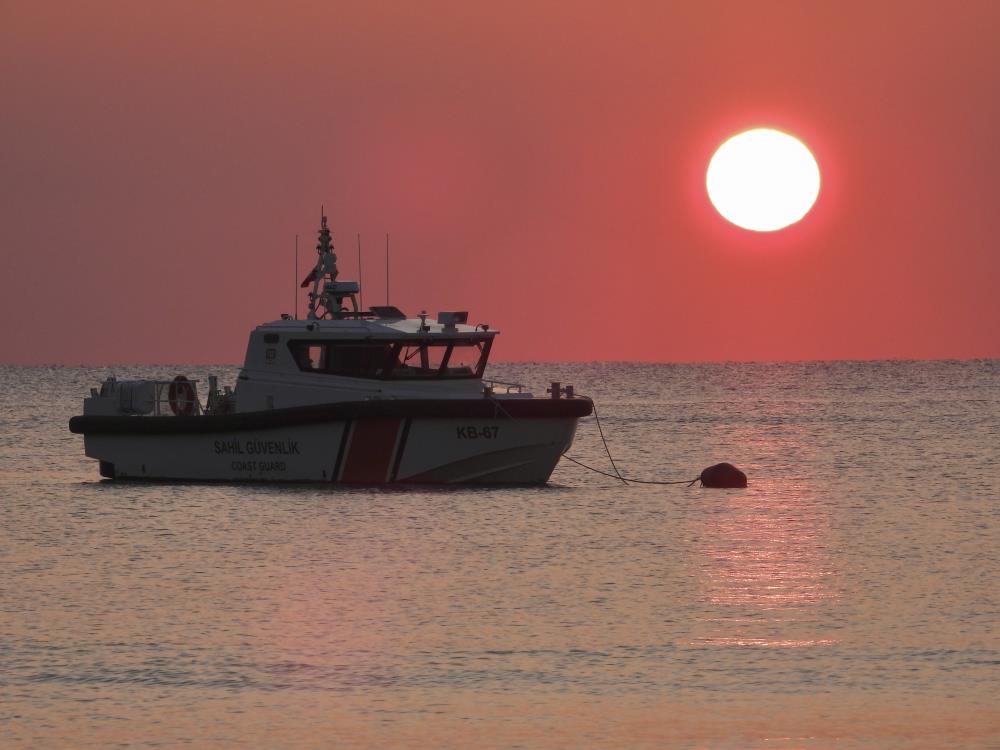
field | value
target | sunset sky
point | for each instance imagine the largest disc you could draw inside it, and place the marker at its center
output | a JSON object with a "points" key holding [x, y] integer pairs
{"points": [[541, 165]]}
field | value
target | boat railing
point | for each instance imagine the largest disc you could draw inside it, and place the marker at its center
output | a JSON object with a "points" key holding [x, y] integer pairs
{"points": [[151, 397], [494, 385]]}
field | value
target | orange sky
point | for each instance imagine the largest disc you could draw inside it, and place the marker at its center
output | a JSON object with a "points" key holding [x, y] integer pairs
{"points": [[541, 165]]}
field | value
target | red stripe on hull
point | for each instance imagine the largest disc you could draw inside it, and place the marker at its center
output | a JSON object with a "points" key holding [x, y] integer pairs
{"points": [[371, 451]]}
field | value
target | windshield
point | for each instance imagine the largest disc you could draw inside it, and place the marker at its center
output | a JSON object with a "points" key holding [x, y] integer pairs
{"points": [[440, 359], [398, 360]]}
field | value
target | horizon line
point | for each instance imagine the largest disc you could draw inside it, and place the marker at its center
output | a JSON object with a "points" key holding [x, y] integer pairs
{"points": [[553, 362]]}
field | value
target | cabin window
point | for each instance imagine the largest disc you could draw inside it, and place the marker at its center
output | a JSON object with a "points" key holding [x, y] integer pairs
{"points": [[309, 357], [419, 359], [398, 360], [356, 360], [468, 359], [363, 360], [446, 358]]}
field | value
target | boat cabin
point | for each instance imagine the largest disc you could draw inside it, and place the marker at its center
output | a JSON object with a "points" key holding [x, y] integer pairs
{"points": [[298, 362]]}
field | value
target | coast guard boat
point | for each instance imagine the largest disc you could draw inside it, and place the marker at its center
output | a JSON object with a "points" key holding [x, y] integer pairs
{"points": [[346, 395]]}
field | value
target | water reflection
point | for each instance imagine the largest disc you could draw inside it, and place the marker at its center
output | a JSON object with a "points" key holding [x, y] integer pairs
{"points": [[766, 574]]}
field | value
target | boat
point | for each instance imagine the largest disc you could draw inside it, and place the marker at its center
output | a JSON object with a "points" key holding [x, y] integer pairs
{"points": [[344, 395]]}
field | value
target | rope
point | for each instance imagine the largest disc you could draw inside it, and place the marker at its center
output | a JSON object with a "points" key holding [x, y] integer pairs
{"points": [[618, 474], [606, 448], [624, 479]]}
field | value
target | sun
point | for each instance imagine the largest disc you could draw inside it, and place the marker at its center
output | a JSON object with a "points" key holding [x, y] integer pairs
{"points": [[763, 180]]}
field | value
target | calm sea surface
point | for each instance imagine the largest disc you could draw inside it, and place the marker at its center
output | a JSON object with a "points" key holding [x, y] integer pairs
{"points": [[847, 599]]}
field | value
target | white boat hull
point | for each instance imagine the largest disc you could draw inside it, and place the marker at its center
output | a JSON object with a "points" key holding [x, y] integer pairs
{"points": [[365, 449]]}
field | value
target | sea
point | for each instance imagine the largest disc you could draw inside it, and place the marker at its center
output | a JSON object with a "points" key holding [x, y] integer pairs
{"points": [[847, 598]]}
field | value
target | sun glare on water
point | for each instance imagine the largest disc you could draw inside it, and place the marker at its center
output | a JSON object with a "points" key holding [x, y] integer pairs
{"points": [[763, 180]]}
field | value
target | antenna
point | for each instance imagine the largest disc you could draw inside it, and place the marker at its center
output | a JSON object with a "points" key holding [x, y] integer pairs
{"points": [[386, 269], [361, 286], [295, 286]]}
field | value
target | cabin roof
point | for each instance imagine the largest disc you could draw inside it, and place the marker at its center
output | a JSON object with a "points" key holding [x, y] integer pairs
{"points": [[352, 328]]}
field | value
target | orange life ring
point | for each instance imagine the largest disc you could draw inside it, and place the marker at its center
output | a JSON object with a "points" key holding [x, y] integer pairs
{"points": [[181, 397]]}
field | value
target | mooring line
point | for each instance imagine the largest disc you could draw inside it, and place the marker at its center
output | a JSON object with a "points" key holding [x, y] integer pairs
{"points": [[618, 474], [688, 482], [607, 449]]}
